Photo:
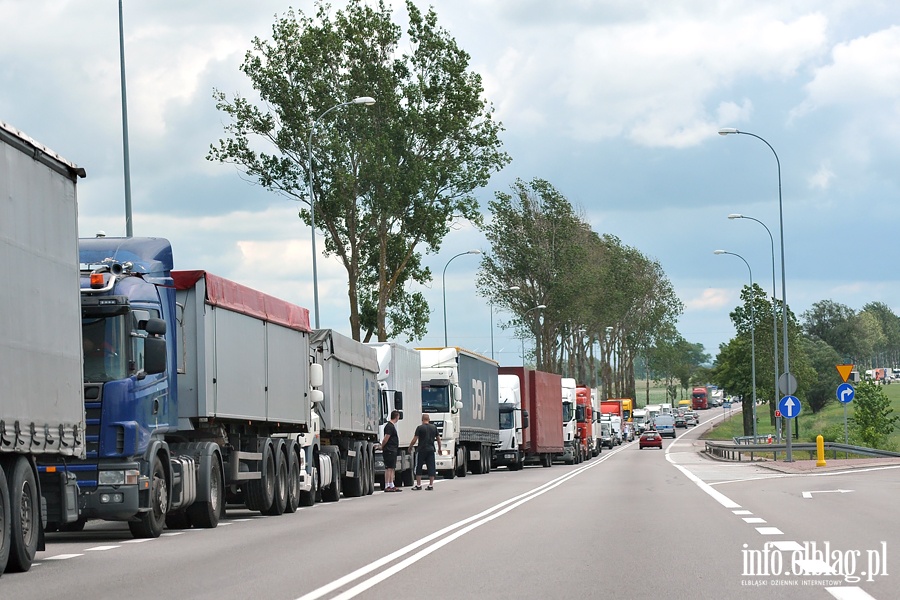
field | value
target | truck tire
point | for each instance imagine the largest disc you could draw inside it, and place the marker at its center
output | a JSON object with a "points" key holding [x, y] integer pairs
{"points": [[150, 524], [293, 501], [25, 513], [280, 494], [353, 484], [260, 493], [462, 462], [309, 498], [370, 468], [333, 492], [5, 520], [205, 515]]}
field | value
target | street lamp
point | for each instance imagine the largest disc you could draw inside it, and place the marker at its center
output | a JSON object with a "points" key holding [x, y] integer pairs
{"points": [[752, 336], [513, 288], [606, 385], [444, 287], [367, 101], [774, 298], [784, 316], [538, 307]]}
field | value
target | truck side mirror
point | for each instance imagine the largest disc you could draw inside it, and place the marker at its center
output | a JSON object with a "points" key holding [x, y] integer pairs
{"points": [[457, 395], [458, 405], [524, 419], [155, 326], [154, 354], [316, 375], [398, 400]]}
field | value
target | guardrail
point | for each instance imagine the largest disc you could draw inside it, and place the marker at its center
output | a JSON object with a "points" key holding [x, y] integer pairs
{"points": [[736, 451]]}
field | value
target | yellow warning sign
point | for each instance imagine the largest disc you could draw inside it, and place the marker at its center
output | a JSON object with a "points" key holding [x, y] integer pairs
{"points": [[844, 371]]}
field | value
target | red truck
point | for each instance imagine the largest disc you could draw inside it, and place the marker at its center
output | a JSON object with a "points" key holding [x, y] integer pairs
{"points": [[542, 433], [584, 415], [699, 400]]}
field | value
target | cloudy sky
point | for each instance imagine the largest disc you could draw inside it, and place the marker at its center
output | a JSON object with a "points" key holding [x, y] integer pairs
{"points": [[615, 102]]}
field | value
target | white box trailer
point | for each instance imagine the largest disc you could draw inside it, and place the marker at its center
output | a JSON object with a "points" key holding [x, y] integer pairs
{"points": [[41, 379], [400, 383]]}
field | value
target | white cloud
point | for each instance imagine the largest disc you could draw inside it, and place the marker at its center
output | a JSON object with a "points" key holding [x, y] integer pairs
{"points": [[822, 178], [710, 299]]}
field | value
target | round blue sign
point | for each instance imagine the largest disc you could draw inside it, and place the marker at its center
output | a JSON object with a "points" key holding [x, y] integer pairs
{"points": [[845, 393], [789, 407]]}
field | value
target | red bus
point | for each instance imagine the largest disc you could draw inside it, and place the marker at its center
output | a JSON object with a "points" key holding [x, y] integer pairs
{"points": [[698, 399]]}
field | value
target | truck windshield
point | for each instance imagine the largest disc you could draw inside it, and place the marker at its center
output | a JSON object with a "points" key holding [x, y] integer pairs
{"points": [[568, 412], [507, 420], [105, 355], [435, 398]]}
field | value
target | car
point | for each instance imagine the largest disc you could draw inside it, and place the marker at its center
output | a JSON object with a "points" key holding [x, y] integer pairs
{"points": [[691, 419], [680, 421], [650, 439]]}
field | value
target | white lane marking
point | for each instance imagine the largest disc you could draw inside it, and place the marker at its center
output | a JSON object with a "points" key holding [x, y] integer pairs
{"points": [[62, 556], [716, 495], [808, 495], [742, 512], [138, 541], [848, 593], [485, 515], [769, 531], [814, 566], [754, 520], [789, 546], [847, 471], [101, 548]]}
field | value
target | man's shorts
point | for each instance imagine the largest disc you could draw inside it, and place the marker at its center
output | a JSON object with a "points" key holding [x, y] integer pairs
{"points": [[390, 459], [426, 459]]}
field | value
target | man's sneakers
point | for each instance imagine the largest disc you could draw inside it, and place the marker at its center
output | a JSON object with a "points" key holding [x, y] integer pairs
{"points": [[393, 489], [430, 488], [417, 487]]}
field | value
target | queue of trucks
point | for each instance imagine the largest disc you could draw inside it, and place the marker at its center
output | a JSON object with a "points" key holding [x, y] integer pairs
{"points": [[139, 393]]}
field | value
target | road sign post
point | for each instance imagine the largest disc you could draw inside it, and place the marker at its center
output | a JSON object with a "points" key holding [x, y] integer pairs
{"points": [[845, 394], [790, 409], [787, 383]]}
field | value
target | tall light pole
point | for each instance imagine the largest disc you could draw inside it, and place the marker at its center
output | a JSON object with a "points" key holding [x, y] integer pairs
{"points": [[789, 457], [606, 385], [367, 101], [774, 299], [752, 335], [129, 228], [512, 288], [538, 307], [444, 287]]}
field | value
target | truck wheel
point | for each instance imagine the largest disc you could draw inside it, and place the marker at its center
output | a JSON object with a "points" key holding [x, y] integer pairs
{"points": [[205, 515], [370, 468], [260, 493], [25, 517], [280, 483], [309, 498], [353, 484], [462, 467], [333, 492], [5, 521], [150, 524], [293, 500]]}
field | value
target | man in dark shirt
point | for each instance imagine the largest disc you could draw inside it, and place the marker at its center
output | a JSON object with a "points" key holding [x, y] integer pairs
{"points": [[426, 435], [390, 446]]}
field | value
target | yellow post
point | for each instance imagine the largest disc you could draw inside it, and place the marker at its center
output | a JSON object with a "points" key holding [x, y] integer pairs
{"points": [[820, 451]]}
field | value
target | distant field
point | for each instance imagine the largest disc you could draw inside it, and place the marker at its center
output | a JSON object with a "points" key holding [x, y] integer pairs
{"points": [[810, 424], [657, 393]]}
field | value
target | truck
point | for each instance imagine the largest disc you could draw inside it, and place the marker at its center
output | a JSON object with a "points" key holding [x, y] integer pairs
{"points": [[596, 428], [539, 417], [400, 387], [641, 420], [627, 409], [41, 406], [460, 392], [570, 430], [348, 412], [513, 420], [197, 391], [584, 416], [699, 400], [612, 409]]}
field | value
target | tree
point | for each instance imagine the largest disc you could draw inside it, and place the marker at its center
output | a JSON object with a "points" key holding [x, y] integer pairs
{"points": [[873, 417], [389, 179], [823, 359]]}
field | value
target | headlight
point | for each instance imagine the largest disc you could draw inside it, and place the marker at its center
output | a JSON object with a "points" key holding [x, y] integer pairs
{"points": [[445, 452], [111, 478]]}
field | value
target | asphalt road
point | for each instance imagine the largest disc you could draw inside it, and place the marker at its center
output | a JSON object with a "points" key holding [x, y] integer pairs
{"points": [[629, 524]]}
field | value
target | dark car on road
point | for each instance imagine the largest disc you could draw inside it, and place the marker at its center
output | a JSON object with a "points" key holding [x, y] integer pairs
{"points": [[650, 439]]}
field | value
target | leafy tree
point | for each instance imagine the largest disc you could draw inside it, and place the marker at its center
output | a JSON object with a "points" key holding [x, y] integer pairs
{"points": [[873, 417], [823, 359], [389, 179]]}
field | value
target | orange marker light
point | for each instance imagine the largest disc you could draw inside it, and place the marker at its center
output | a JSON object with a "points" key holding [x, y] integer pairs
{"points": [[96, 280]]}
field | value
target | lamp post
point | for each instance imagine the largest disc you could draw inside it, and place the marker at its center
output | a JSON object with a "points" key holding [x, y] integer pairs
{"points": [[367, 101], [513, 288], [129, 228], [444, 287], [789, 457], [538, 307], [605, 392], [752, 336], [774, 310]]}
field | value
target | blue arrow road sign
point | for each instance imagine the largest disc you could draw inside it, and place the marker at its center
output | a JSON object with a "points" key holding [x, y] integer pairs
{"points": [[845, 393], [789, 407]]}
